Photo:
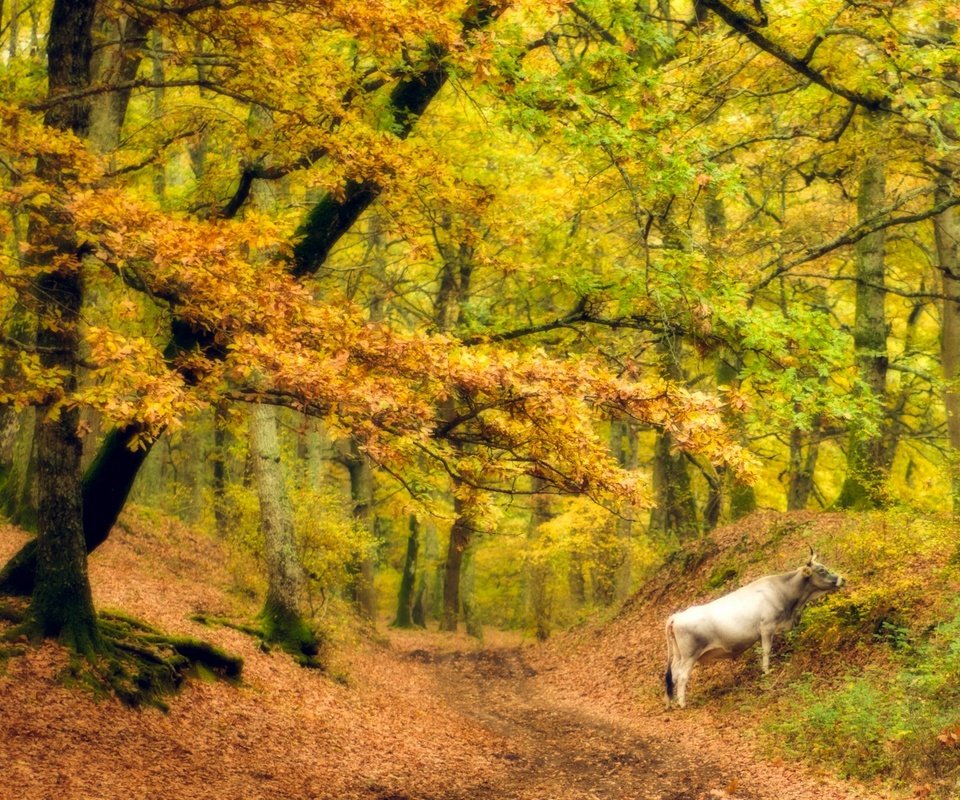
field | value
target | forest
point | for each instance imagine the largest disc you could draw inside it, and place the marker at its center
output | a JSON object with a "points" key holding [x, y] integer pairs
{"points": [[376, 378]]}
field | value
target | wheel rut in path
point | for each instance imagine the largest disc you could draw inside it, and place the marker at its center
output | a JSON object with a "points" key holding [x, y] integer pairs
{"points": [[557, 751]]}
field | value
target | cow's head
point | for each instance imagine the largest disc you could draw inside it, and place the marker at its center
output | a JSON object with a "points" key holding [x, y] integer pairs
{"points": [[821, 578]]}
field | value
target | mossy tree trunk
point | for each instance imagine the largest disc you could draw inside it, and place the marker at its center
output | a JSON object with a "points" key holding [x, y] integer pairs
{"points": [[405, 598], [868, 461], [282, 617], [675, 513], [947, 240], [62, 603], [728, 489]]}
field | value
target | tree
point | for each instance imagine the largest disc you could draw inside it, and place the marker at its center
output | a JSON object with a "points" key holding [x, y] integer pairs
{"points": [[282, 617], [868, 457]]}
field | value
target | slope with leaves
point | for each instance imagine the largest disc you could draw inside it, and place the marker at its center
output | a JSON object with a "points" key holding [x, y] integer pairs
{"points": [[895, 618]]}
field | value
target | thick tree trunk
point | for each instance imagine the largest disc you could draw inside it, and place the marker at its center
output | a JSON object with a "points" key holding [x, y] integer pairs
{"points": [[282, 617], [866, 470], [62, 603], [676, 511], [742, 498]]}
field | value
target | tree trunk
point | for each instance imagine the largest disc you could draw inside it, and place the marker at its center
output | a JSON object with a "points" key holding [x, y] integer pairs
{"points": [[471, 614], [361, 492], [866, 471], [539, 573], [282, 617], [116, 60], [802, 467], [405, 599], [429, 595], [62, 603], [13, 29], [156, 59], [611, 573], [460, 534], [219, 477], [742, 498], [576, 583], [676, 511]]}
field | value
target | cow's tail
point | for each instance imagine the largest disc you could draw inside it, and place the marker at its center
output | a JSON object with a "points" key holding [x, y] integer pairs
{"points": [[668, 675]]}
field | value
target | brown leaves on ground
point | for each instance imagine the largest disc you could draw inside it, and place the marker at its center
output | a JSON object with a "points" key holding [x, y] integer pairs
{"points": [[427, 717]]}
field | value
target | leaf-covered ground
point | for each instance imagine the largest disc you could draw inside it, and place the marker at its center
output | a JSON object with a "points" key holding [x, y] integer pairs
{"points": [[423, 717]]}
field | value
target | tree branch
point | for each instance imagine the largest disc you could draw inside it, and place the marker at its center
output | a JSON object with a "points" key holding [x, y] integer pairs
{"points": [[747, 28]]}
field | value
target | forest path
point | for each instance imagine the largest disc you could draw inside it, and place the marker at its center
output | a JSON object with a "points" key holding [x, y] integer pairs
{"points": [[554, 748]]}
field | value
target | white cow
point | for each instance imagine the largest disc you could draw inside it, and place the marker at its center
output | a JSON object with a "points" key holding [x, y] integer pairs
{"points": [[735, 622]]}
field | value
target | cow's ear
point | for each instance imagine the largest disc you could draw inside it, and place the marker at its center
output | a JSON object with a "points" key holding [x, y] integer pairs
{"points": [[807, 572]]}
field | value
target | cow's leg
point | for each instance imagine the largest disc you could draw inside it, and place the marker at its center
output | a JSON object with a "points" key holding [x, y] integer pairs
{"points": [[684, 668], [766, 642]]}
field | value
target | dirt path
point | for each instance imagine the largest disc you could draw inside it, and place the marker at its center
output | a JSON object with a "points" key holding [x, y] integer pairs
{"points": [[558, 750]]}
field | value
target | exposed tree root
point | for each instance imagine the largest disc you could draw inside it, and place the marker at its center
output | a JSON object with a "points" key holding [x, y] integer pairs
{"points": [[303, 644], [16, 576], [130, 659]]}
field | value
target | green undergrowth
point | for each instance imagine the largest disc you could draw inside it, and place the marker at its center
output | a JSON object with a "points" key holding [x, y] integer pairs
{"points": [[897, 720]]}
